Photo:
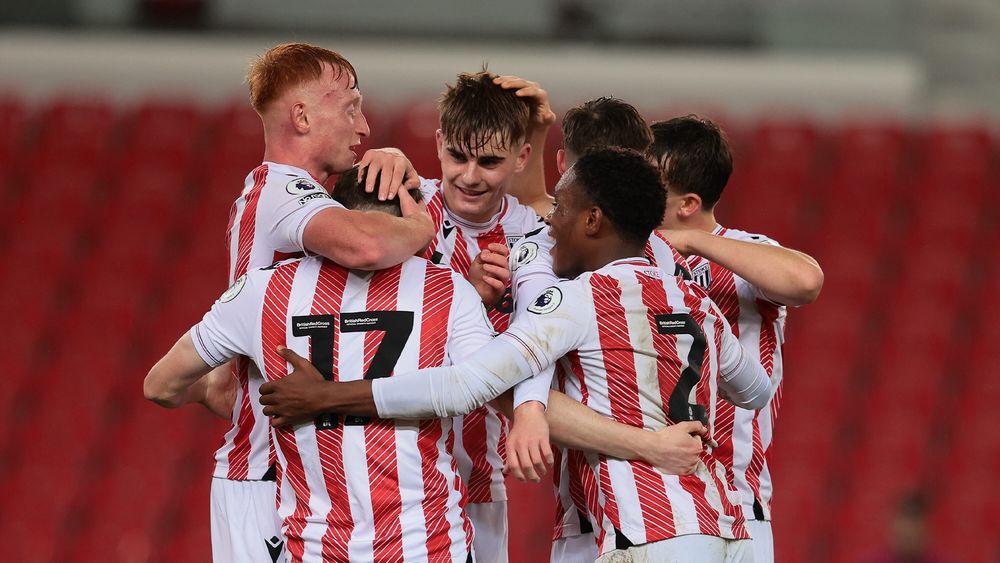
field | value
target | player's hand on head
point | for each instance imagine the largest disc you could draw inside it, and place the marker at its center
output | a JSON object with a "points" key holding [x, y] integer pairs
{"points": [[397, 172], [676, 449], [529, 453], [541, 113], [489, 273], [294, 398]]}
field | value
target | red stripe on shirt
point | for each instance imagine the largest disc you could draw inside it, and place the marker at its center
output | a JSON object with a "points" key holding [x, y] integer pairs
{"points": [[248, 221], [435, 316], [380, 436], [273, 333], [239, 454], [328, 297]]}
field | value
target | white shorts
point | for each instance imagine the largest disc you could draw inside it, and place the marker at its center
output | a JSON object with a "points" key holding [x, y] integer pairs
{"points": [[574, 549], [694, 548], [763, 540], [245, 522], [489, 524]]}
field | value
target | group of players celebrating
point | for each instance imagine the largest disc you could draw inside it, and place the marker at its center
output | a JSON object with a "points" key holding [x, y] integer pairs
{"points": [[391, 346]]}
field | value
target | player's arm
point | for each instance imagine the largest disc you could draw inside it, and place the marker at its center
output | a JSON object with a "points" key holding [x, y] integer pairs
{"points": [[528, 186], [441, 392], [196, 368], [783, 275], [369, 240], [444, 391], [742, 380], [675, 450], [182, 377]]}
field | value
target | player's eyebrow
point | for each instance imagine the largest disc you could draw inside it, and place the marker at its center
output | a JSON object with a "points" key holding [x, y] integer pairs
{"points": [[490, 159]]}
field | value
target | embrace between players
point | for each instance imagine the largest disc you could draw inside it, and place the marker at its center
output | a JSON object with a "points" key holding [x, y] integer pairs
{"points": [[376, 340]]}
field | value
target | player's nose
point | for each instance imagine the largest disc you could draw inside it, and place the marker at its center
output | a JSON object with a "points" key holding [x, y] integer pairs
{"points": [[361, 125], [470, 175]]}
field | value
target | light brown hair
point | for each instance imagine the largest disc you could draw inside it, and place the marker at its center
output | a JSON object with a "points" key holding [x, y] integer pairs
{"points": [[286, 66], [475, 110]]}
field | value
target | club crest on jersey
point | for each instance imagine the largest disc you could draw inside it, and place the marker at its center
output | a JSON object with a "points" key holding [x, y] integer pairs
{"points": [[302, 186], [525, 254], [702, 275], [234, 290], [548, 301]]}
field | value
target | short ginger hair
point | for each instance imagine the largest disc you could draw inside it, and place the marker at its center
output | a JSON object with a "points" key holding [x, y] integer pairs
{"points": [[286, 66]]}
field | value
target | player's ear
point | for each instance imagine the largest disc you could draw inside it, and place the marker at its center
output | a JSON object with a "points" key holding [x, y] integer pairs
{"points": [[522, 157], [561, 161], [299, 118], [690, 205], [593, 220], [439, 140]]}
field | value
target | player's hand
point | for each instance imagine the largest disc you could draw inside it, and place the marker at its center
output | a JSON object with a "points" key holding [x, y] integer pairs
{"points": [[680, 239], [676, 449], [541, 113], [529, 453], [219, 391], [417, 211], [293, 398], [490, 273], [397, 172]]}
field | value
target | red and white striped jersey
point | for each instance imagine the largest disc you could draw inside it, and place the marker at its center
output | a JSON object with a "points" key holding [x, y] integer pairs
{"points": [[354, 488], [647, 350], [265, 225], [482, 434], [744, 436], [531, 272]]}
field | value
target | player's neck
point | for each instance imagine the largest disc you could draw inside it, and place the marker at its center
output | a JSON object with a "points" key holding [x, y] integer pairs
{"points": [[703, 221], [290, 154], [601, 255]]}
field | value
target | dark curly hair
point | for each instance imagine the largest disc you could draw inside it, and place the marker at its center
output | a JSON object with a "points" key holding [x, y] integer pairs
{"points": [[350, 192], [694, 157], [626, 187]]}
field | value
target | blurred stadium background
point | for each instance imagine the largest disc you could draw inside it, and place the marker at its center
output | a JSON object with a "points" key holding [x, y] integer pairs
{"points": [[865, 134]]}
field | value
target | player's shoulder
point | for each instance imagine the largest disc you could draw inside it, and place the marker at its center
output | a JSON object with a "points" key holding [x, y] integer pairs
{"points": [[429, 187], [747, 236], [275, 182], [533, 248], [519, 217], [255, 282], [569, 296]]}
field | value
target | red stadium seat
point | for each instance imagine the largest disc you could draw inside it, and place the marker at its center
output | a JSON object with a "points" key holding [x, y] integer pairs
{"points": [[239, 139], [13, 118], [164, 130], [78, 131], [413, 133]]}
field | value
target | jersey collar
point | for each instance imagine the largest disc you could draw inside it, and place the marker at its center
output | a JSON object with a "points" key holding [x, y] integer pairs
{"points": [[290, 170]]}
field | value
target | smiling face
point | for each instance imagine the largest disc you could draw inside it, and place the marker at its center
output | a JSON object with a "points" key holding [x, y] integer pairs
{"points": [[475, 182], [333, 109], [567, 227]]}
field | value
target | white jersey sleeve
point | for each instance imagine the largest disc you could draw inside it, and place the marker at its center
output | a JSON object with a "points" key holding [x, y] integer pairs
{"points": [[531, 274], [228, 329], [530, 345], [741, 377], [470, 328], [287, 209]]}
